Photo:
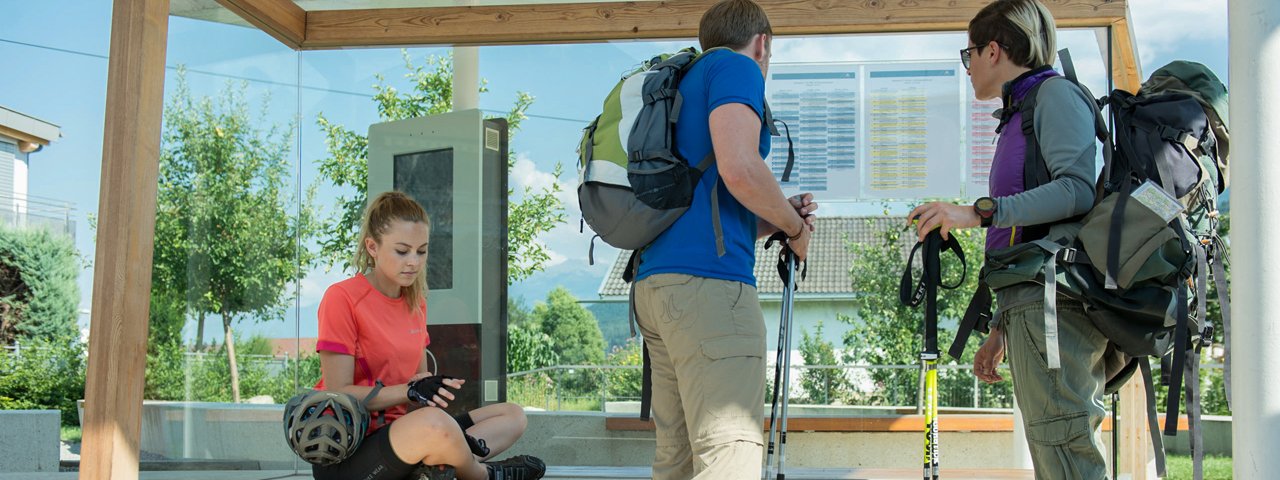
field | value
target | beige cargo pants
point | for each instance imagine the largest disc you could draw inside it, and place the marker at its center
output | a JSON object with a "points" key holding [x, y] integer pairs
{"points": [[706, 347]]}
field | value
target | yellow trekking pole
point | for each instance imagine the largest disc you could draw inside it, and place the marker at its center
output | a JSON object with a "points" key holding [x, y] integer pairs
{"points": [[930, 364], [927, 292]]}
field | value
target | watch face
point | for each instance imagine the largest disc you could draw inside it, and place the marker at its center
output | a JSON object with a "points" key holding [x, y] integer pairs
{"points": [[985, 204]]}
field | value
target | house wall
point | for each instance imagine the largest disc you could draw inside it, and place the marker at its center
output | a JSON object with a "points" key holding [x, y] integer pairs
{"points": [[9, 161], [807, 315]]}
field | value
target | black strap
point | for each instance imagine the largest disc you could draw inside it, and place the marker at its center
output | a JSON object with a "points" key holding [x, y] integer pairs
{"points": [[931, 279], [646, 385], [381, 414], [1196, 438], [976, 317], [1153, 425], [784, 273], [791, 151], [1113, 234], [1181, 350]]}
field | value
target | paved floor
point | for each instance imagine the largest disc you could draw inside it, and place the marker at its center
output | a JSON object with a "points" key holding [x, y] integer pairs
{"points": [[576, 473]]}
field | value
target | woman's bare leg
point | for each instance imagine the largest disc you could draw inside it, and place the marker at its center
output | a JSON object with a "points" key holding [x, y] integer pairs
{"points": [[431, 436], [499, 425]]}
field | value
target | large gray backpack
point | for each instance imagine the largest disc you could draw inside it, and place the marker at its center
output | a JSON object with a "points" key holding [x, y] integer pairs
{"points": [[632, 183]]}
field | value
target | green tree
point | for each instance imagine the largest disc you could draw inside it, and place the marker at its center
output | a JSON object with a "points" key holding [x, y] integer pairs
{"points": [[822, 385], [528, 348], [431, 92], [572, 327], [886, 332], [625, 383], [38, 291], [228, 228], [577, 338], [43, 374]]}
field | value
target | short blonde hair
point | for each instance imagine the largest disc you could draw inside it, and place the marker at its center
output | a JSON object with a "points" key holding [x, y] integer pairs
{"points": [[1023, 28]]}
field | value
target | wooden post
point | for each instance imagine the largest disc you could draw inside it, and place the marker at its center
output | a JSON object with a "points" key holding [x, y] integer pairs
{"points": [[126, 231], [1137, 459]]}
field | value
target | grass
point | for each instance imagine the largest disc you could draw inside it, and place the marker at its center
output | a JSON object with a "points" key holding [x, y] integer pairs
{"points": [[70, 434], [1215, 468]]}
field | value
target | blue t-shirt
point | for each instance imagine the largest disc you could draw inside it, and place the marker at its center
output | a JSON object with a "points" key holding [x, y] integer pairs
{"points": [[689, 246]]}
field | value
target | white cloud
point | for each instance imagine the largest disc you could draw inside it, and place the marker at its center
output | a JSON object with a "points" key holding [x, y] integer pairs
{"points": [[564, 243], [1162, 27]]}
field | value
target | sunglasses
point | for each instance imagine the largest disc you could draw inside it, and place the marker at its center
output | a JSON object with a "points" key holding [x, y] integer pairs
{"points": [[966, 54]]}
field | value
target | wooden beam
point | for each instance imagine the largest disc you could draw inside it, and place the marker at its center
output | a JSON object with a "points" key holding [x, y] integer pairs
{"points": [[602, 21], [22, 136], [126, 229], [1126, 70], [1137, 458], [281, 19]]}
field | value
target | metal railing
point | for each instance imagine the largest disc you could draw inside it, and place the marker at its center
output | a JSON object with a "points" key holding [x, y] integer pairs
{"points": [[33, 211], [834, 387]]}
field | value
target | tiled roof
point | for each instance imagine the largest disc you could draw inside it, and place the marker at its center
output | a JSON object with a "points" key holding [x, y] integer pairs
{"points": [[829, 258]]}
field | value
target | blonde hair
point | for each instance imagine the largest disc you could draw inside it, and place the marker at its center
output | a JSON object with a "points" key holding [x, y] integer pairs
{"points": [[1024, 29], [383, 210]]}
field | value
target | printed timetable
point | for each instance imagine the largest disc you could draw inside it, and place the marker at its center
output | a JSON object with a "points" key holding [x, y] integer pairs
{"points": [[880, 131]]}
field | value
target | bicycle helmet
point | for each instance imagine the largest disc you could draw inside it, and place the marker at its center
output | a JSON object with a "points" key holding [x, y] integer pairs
{"points": [[325, 427]]}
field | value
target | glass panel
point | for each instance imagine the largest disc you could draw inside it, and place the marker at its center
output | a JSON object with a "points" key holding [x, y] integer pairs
{"points": [[231, 215]]}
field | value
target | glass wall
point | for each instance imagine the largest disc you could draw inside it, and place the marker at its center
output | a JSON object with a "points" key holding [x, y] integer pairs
{"points": [[268, 156], [232, 216]]}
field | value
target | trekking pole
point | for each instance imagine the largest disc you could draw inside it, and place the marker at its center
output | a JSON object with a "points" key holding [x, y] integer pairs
{"points": [[929, 362], [926, 291], [781, 372], [788, 304]]}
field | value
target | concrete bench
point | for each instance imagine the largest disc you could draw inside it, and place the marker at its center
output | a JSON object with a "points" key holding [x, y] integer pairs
{"points": [[29, 440]]}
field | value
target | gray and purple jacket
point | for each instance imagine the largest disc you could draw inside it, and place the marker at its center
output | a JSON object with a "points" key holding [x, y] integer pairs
{"points": [[1064, 129]]}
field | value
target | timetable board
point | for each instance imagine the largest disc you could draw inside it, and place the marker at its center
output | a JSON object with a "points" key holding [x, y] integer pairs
{"points": [[881, 131]]}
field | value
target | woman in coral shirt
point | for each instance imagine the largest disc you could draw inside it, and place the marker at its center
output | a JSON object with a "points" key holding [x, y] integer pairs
{"points": [[373, 330]]}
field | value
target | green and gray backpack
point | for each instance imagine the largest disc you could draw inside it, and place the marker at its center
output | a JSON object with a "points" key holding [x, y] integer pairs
{"points": [[1146, 251], [632, 183]]}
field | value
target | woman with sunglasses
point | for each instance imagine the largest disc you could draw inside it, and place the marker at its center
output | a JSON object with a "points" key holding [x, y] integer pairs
{"points": [[1010, 53]]}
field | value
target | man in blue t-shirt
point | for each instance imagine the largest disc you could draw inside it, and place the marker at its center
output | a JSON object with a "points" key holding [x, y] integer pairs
{"points": [[695, 304]]}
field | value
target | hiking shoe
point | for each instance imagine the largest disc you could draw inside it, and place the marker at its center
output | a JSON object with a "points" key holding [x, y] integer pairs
{"points": [[520, 467], [433, 472]]}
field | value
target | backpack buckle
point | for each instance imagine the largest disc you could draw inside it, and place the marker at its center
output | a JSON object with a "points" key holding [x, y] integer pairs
{"points": [[1067, 255], [1206, 338]]}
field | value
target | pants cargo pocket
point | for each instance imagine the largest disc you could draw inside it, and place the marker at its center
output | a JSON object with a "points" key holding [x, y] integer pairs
{"points": [[733, 387], [1058, 430]]}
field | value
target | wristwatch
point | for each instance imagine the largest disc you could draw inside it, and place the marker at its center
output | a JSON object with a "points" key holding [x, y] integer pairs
{"points": [[985, 207]]}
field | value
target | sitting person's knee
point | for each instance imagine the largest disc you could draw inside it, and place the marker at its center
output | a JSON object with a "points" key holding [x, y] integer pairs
{"points": [[433, 421], [516, 414]]}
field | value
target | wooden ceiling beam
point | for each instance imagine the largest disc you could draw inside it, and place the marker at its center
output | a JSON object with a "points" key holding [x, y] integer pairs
{"points": [[282, 19], [646, 20], [1126, 70]]}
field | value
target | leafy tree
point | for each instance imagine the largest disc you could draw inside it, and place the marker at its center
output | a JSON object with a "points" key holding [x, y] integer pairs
{"points": [[431, 92], [44, 374], [38, 291], [228, 230], [577, 338], [821, 385], [572, 327], [528, 348], [886, 332], [518, 312], [625, 382]]}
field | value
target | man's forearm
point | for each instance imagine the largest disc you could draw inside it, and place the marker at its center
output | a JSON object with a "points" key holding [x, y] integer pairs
{"points": [[757, 190]]}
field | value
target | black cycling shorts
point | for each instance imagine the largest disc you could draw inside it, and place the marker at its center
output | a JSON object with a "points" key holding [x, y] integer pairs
{"points": [[374, 460]]}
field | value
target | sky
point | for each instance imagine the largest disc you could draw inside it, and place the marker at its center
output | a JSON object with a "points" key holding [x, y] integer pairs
{"points": [[56, 52]]}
